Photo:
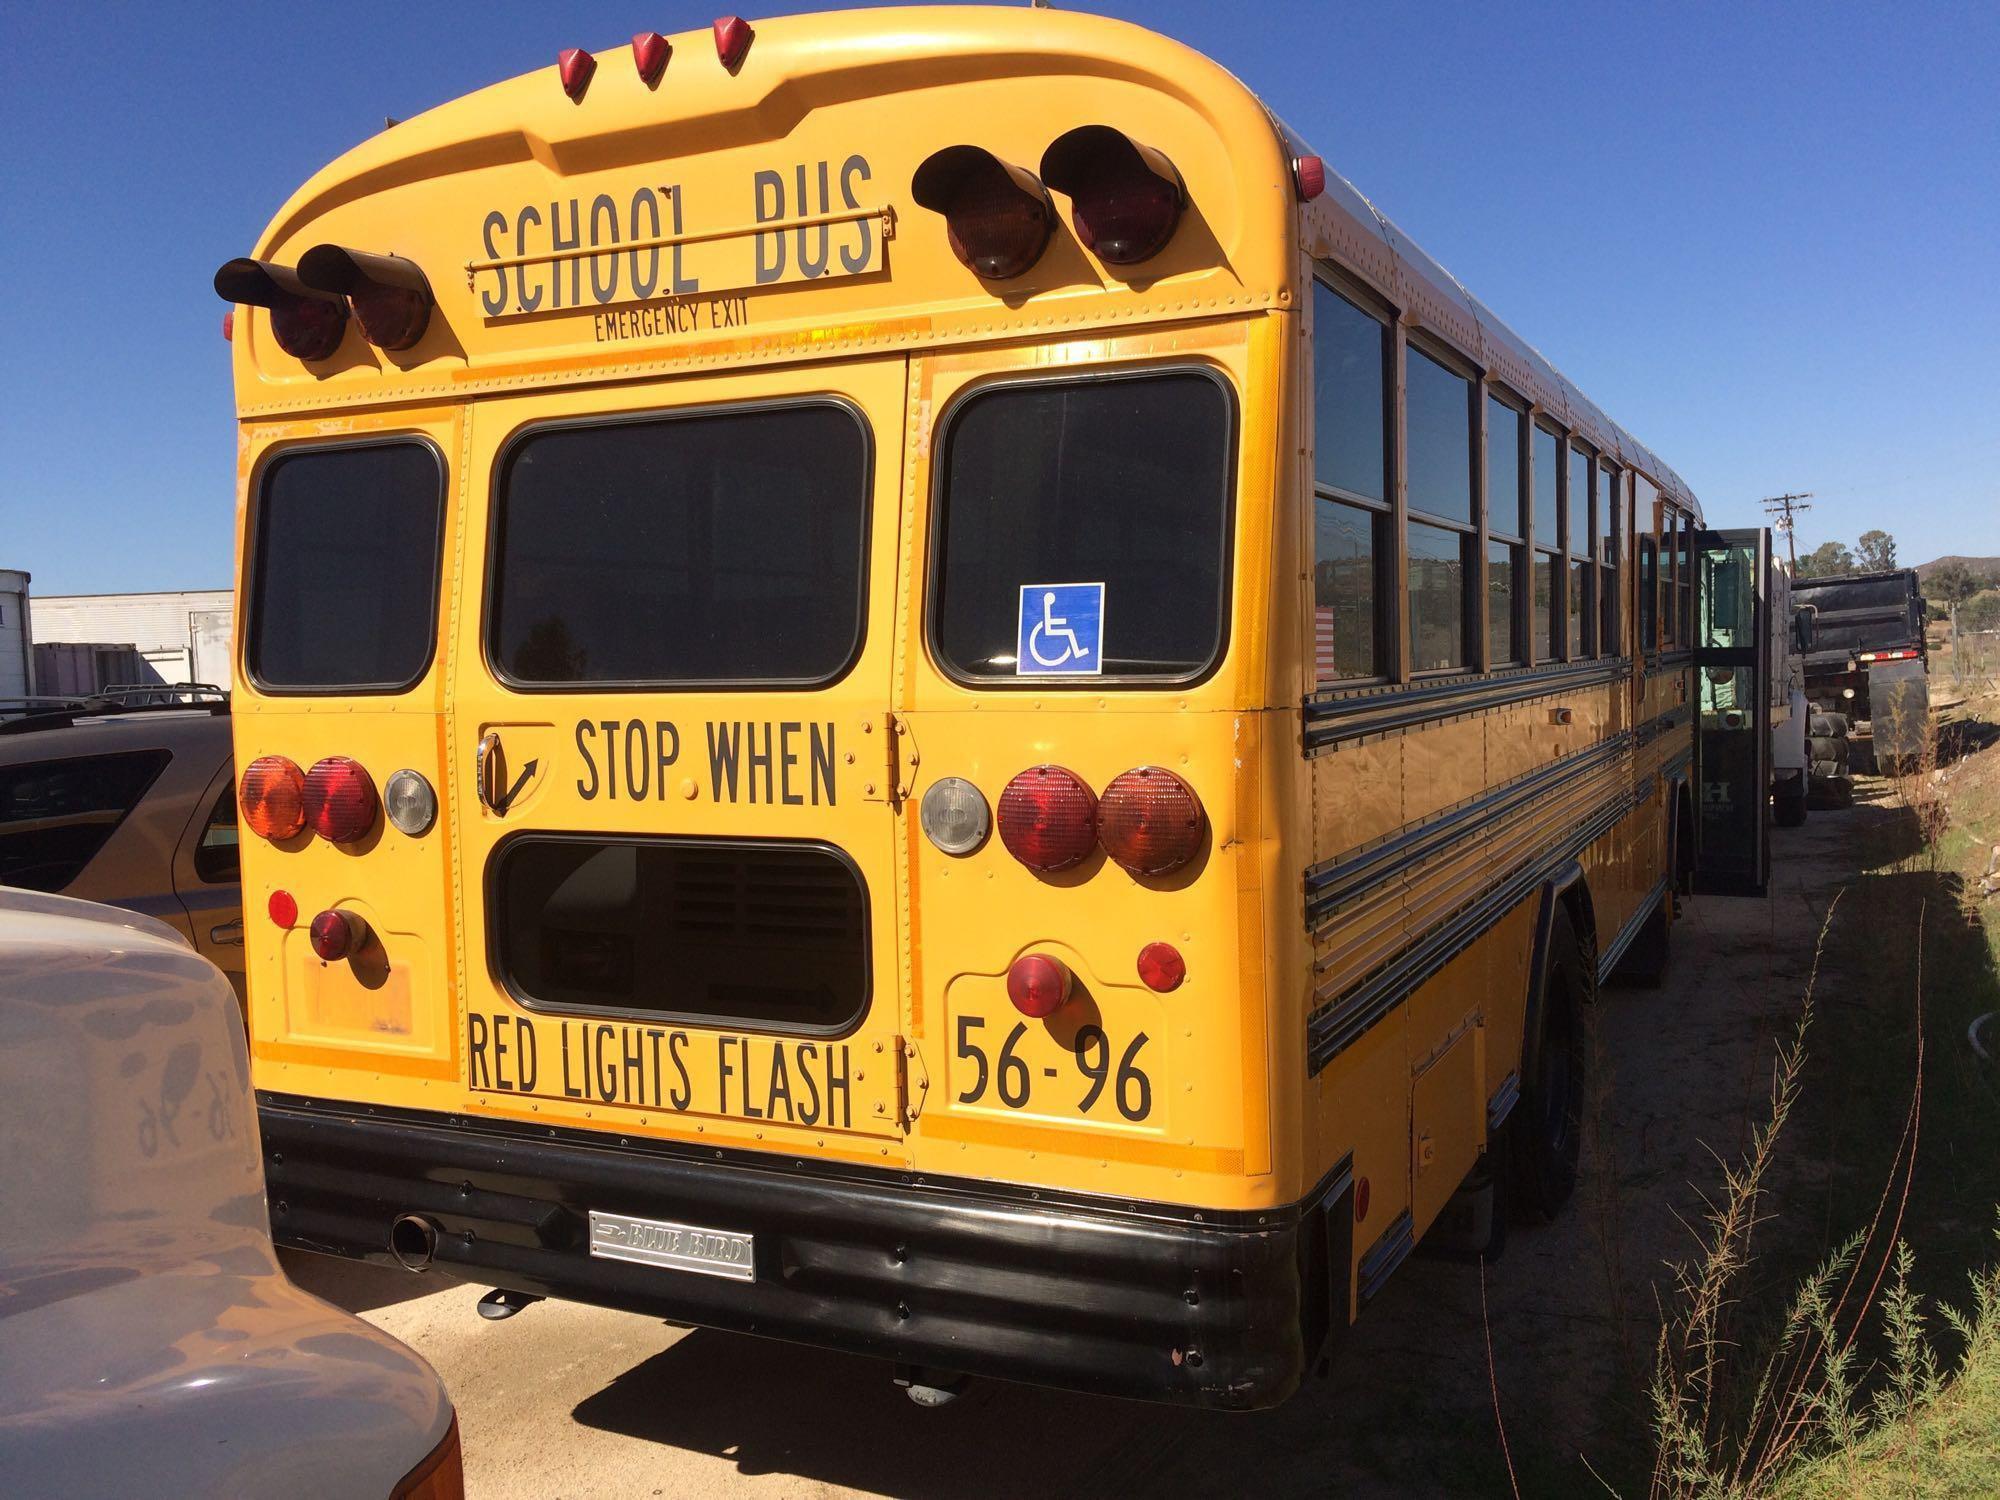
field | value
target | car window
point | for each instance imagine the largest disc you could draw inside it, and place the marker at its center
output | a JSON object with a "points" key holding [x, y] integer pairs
{"points": [[215, 856], [56, 814]]}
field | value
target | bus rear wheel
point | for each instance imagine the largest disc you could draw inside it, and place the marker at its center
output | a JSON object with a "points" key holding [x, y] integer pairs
{"points": [[1545, 1133]]}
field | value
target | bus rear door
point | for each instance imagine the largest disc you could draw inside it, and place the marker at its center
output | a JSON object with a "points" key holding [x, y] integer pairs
{"points": [[670, 749]]}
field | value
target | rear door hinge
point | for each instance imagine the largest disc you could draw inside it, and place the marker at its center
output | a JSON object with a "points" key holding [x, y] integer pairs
{"points": [[913, 1084], [896, 755]]}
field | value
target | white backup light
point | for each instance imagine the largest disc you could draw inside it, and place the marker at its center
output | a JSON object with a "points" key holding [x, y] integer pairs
{"points": [[954, 815], [410, 803]]}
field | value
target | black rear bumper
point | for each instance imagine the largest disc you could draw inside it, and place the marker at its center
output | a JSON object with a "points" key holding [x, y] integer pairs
{"points": [[1157, 1302]]}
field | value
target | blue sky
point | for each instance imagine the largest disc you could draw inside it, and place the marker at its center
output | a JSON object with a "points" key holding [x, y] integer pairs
{"points": [[1765, 238]]}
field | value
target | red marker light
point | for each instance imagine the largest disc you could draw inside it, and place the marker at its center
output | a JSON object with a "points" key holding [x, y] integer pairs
{"points": [[336, 934], [732, 40], [1038, 985], [229, 326], [284, 909], [650, 52], [1360, 1199], [1309, 172], [1161, 967], [575, 65]]}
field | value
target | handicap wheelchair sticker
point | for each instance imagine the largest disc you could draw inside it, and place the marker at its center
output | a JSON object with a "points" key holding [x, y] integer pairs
{"points": [[1062, 630]]}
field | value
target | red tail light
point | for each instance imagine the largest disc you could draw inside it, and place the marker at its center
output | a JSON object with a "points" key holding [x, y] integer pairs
{"points": [[732, 40], [575, 67], [1048, 818], [1125, 198], [1038, 985], [997, 216], [391, 296], [1150, 821], [340, 800], [308, 324], [272, 795], [335, 934]]}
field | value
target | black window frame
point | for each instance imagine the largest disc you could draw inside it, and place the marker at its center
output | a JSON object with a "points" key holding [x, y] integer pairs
{"points": [[1583, 612], [692, 1021], [256, 571], [502, 463], [940, 440]]}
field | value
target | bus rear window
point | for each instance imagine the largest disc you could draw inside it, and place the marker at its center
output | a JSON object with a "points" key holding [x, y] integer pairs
{"points": [[763, 936], [346, 570], [1120, 482], [720, 547]]}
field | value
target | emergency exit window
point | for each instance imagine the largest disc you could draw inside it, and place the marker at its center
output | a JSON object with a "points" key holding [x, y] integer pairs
{"points": [[344, 581], [715, 547]]}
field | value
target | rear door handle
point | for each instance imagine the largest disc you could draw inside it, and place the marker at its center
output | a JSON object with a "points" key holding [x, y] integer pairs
{"points": [[229, 934]]}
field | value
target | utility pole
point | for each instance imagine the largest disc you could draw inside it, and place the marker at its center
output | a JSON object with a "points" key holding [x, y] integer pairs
{"points": [[1783, 507]]}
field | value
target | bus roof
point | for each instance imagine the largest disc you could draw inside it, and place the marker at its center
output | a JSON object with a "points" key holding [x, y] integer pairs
{"points": [[447, 188]]}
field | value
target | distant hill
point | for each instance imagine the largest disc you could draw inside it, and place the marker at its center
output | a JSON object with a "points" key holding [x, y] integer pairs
{"points": [[1987, 566]]}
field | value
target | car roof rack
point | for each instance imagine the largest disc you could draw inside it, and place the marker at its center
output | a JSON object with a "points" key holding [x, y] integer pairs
{"points": [[38, 713]]}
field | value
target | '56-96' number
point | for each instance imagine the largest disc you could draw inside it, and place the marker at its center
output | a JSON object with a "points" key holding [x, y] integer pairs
{"points": [[1009, 1075]]}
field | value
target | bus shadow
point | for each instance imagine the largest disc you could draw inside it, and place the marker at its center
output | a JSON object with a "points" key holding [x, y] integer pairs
{"points": [[816, 1415]]}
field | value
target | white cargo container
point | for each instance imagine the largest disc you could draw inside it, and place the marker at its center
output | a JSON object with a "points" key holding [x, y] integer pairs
{"points": [[181, 635], [17, 663]]}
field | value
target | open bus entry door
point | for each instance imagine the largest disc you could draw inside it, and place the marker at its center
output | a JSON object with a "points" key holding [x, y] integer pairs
{"points": [[1732, 659]]}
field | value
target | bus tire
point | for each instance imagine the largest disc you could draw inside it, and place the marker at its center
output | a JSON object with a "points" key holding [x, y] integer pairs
{"points": [[1545, 1132], [1788, 802]]}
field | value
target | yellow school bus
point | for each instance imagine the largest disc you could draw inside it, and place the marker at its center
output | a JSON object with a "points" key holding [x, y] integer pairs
{"points": [[905, 682]]}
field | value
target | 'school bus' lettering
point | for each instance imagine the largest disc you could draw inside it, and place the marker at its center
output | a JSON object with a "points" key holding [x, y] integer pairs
{"points": [[1007, 844], [567, 253]]}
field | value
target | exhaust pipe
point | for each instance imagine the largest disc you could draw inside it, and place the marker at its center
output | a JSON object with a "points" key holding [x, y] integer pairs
{"points": [[413, 1240]]}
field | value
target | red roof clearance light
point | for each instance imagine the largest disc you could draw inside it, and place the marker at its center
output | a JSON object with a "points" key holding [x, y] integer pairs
{"points": [[1038, 985], [1048, 818], [997, 217], [650, 52], [1309, 173], [272, 795], [1150, 821], [574, 66], [308, 324], [732, 40], [340, 800], [1125, 198]]}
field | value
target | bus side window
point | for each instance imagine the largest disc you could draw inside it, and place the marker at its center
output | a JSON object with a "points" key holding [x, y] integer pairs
{"points": [[1506, 554], [1443, 540], [1351, 608], [1547, 466], [1609, 513], [1649, 596]]}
